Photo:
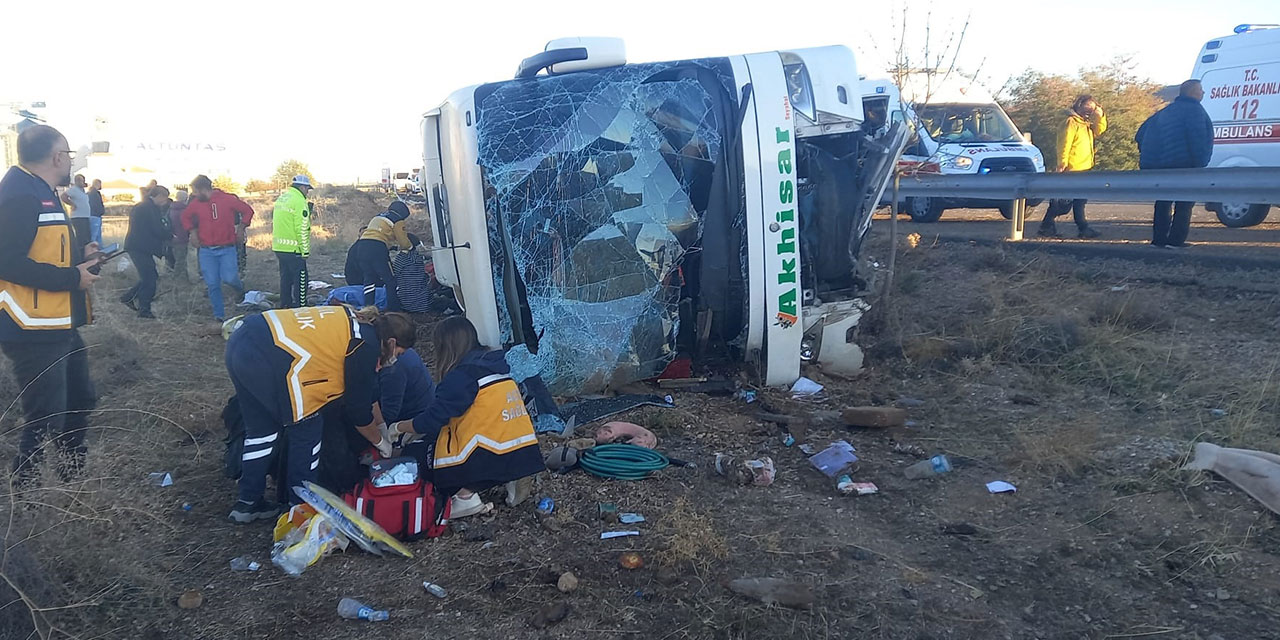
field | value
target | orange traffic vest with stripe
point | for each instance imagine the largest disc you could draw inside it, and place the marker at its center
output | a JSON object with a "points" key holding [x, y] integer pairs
{"points": [[36, 309], [497, 422], [319, 339]]}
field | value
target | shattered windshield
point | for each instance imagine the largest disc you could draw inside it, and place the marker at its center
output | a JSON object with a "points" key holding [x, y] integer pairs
{"points": [[967, 123], [596, 188]]}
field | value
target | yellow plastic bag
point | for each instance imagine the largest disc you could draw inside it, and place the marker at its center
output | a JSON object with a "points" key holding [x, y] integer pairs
{"points": [[304, 545]]}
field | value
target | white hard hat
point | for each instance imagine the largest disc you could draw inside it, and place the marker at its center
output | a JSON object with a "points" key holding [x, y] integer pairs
{"points": [[303, 180]]}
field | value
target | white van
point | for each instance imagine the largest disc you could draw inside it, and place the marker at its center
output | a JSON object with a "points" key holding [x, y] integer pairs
{"points": [[603, 216], [1241, 78], [959, 129]]}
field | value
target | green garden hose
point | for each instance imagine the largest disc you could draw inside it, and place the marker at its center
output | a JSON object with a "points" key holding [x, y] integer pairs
{"points": [[622, 461]]}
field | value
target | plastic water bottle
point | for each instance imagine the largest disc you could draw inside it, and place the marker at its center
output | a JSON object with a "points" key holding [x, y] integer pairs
{"points": [[434, 589], [934, 466], [352, 609]]}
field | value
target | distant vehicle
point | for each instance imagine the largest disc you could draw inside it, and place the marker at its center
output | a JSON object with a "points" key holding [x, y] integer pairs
{"points": [[406, 181], [1241, 78], [606, 216], [959, 129]]}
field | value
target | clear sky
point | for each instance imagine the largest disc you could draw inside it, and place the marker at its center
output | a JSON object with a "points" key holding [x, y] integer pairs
{"points": [[342, 85]]}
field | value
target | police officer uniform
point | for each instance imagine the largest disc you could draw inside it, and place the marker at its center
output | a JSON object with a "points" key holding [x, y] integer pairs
{"points": [[41, 307]]}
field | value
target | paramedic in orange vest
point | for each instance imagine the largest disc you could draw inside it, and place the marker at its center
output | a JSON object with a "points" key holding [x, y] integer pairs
{"points": [[286, 365], [43, 279], [482, 432]]}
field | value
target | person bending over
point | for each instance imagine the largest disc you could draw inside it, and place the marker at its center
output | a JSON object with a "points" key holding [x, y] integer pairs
{"points": [[288, 364]]}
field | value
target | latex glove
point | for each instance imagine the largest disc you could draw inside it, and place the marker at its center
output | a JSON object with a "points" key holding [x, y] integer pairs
{"points": [[384, 448]]}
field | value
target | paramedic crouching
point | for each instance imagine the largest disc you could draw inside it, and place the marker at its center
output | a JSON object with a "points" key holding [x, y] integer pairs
{"points": [[477, 419], [286, 365]]}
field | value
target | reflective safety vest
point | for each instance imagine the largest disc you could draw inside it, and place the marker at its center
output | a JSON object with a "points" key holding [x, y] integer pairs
{"points": [[319, 339], [497, 422], [291, 223], [36, 309]]}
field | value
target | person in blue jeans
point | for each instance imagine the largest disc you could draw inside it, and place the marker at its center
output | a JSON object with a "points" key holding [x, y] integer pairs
{"points": [[219, 266], [214, 214]]}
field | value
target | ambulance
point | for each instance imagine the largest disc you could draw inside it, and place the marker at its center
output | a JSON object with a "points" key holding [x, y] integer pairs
{"points": [[1241, 78], [597, 217], [958, 128]]}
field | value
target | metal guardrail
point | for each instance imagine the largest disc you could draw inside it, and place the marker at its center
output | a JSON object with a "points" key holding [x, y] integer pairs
{"points": [[1238, 184], [1260, 185]]}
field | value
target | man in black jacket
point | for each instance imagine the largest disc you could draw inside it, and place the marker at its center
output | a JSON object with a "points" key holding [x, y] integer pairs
{"points": [[1179, 136], [43, 279], [148, 239]]}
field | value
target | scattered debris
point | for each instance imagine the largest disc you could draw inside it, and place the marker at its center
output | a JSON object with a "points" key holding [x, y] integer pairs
{"points": [[788, 439], [746, 395], [608, 512], [630, 560], [352, 609], [960, 529], [934, 466], [1024, 399], [1000, 486], [1256, 472], [835, 459], [807, 449], [561, 458], [338, 276], [759, 472], [567, 583], [805, 387], [774, 591], [847, 486], [630, 518], [587, 411], [874, 417], [305, 545], [1218, 413], [910, 449], [190, 599], [549, 614], [680, 383], [160, 479], [244, 564], [581, 443], [546, 505], [609, 535], [258, 299], [434, 589], [627, 432], [318, 285]]}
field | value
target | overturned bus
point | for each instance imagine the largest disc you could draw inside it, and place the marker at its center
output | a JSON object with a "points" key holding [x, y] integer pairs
{"points": [[597, 218]]}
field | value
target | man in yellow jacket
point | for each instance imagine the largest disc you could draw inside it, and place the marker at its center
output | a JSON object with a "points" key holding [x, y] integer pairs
{"points": [[1083, 122], [291, 241]]}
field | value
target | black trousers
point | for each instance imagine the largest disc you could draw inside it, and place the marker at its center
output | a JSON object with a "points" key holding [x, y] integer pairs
{"points": [[266, 416], [1171, 231], [373, 259], [293, 280], [83, 229], [1057, 208], [57, 396], [145, 291]]}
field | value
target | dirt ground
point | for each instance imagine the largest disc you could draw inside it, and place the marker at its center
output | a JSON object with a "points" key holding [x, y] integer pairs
{"points": [[1082, 381]]}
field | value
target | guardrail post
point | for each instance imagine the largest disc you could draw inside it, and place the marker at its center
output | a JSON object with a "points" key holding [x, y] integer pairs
{"points": [[1019, 220]]}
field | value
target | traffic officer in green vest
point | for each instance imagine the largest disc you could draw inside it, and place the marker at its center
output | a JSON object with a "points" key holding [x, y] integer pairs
{"points": [[291, 241]]}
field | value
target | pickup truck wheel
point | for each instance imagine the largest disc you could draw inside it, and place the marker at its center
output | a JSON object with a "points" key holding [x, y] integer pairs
{"points": [[1239, 214], [924, 209]]}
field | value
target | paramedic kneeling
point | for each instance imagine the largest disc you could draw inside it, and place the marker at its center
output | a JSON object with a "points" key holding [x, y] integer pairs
{"points": [[482, 432], [286, 365]]}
